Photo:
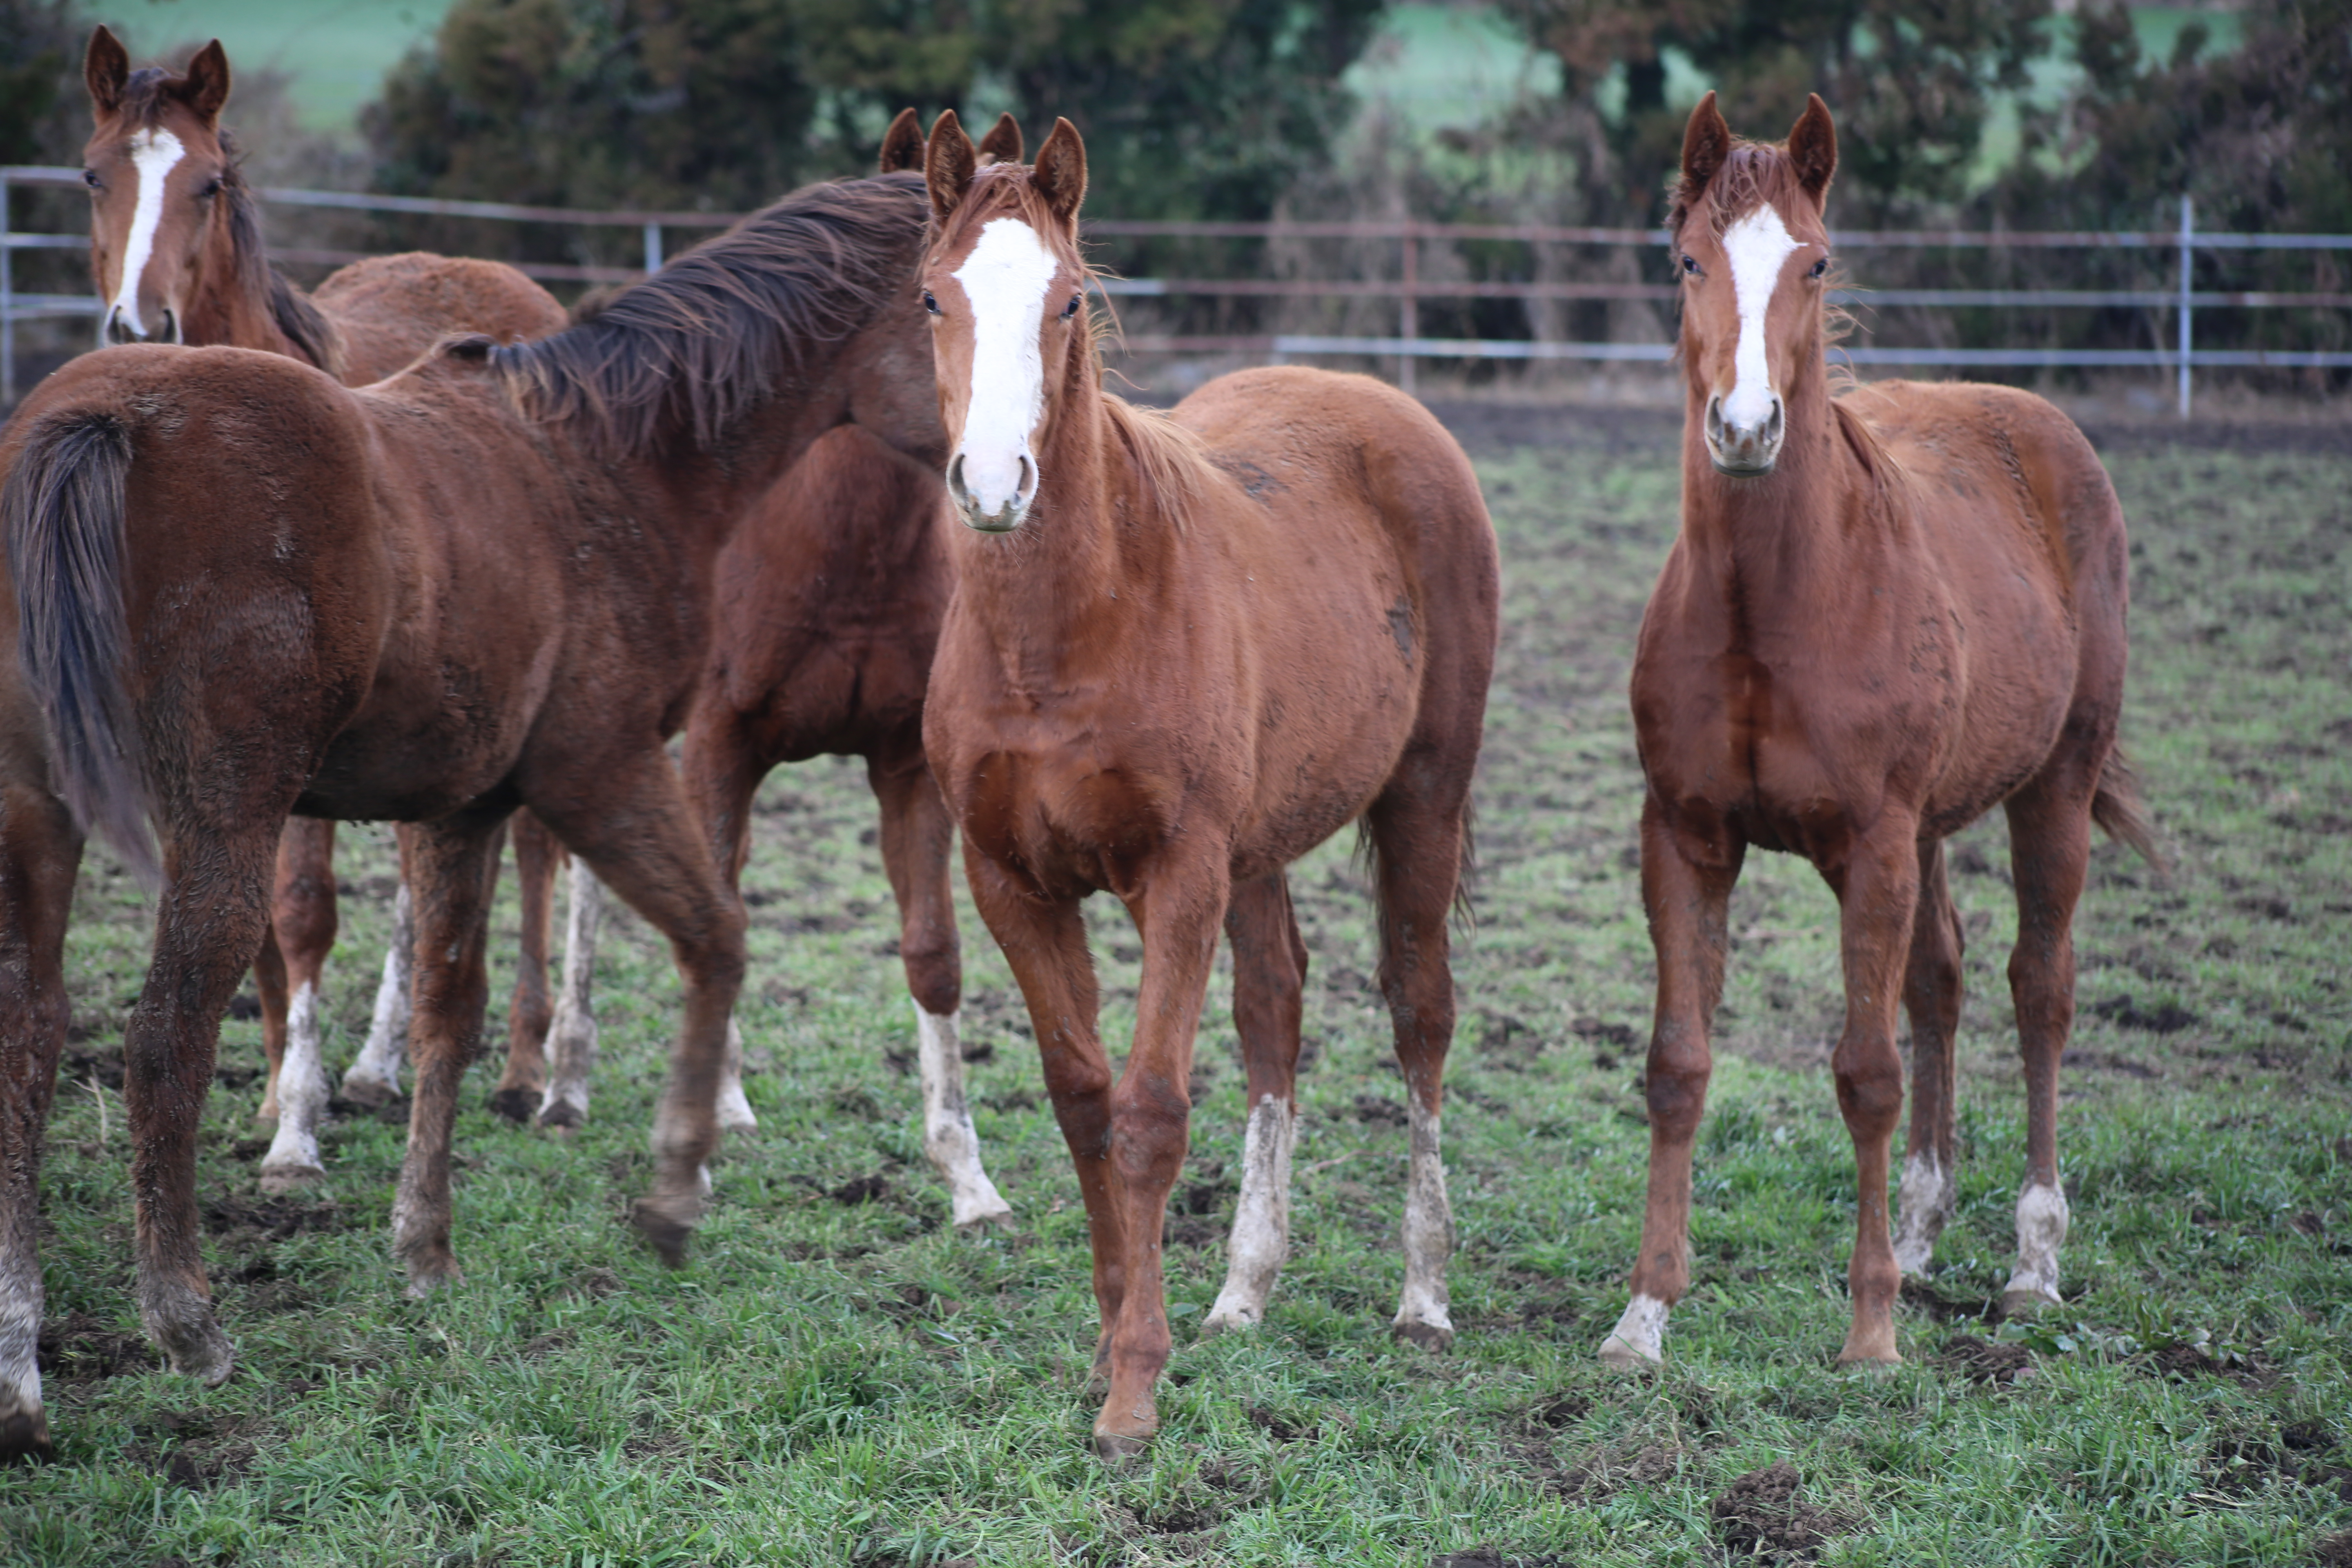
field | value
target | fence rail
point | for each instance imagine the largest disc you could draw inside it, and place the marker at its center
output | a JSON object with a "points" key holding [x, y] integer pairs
{"points": [[1408, 289]]}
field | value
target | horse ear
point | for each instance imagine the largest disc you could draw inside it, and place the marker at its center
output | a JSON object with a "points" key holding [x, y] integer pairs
{"points": [[1002, 142], [206, 87], [1812, 148], [105, 67], [1060, 175], [902, 144], [949, 163], [1707, 143]]}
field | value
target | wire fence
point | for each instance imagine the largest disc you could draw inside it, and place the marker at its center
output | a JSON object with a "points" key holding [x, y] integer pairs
{"points": [[1409, 286]]}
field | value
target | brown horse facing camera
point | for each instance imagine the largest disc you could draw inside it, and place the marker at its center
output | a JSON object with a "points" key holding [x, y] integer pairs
{"points": [[177, 255], [240, 590], [1182, 652], [1885, 614]]}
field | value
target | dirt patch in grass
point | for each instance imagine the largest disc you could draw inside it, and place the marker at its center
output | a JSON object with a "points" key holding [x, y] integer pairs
{"points": [[1601, 1473], [268, 1220], [1491, 1557], [1762, 1516], [1981, 1361], [193, 1452], [1946, 1305], [2335, 1552], [78, 1348]]}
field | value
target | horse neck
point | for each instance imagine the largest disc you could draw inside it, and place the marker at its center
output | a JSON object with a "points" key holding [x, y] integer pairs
{"points": [[1787, 547], [1046, 593], [230, 307]]}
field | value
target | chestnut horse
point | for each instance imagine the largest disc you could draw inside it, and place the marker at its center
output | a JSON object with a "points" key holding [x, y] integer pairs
{"points": [[828, 606], [242, 590], [1885, 614], [1182, 652], [177, 255]]}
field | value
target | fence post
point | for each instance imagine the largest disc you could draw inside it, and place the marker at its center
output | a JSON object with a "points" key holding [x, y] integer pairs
{"points": [[653, 249], [1409, 311], [7, 304], [2187, 251]]}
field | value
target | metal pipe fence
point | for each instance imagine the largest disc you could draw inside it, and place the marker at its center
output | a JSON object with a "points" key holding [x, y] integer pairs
{"points": [[1408, 289]]}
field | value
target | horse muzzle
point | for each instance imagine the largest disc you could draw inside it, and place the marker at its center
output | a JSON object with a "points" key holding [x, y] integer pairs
{"points": [[1745, 448], [992, 513], [119, 327]]}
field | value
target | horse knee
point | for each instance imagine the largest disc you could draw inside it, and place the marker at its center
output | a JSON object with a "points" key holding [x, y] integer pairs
{"points": [[934, 972], [1870, 1096], [1675, 1096]]}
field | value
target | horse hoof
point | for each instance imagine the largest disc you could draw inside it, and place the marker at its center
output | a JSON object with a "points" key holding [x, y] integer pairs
{"points": [[370, 1093], [1622, 1355], [562, 1117], [1432, 1337], [1871, 1365], [1119, 1448], [2026, 1303], [997, 1219], [200, 1351], [666, 1236], [25, 1438], [1229, 1321], [276, 1181], [735, 1113], [516, 1105]]}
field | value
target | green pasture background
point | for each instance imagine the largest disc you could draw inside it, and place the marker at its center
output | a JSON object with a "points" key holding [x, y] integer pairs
{"points": [[838, 1378]]}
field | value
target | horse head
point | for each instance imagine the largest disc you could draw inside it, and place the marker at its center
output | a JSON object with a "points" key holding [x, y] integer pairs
{"points": [[157, 167], [1005, 288], [1752, 248]]}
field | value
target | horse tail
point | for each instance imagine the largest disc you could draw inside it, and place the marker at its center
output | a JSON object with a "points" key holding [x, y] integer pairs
{"points": [[2116, 807], [62, 509]]}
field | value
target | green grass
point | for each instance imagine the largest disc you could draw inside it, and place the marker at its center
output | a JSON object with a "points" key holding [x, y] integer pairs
{"points": [[835, 1383]]}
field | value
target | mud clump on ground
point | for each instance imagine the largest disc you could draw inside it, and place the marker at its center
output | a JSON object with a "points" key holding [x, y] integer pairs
{"points": [[78, 1348], [1760, 1515], [1982, 1361]]}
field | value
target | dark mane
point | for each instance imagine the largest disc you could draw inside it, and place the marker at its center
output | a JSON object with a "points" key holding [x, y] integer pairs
{"points": [[685, 354], [312, 335]]}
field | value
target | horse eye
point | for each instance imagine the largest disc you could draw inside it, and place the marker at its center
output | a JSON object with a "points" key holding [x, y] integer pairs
{"points": [[1690, 266], [212, 188], [930, 304], [1822, 267], [1071, 309], [89, 177]]}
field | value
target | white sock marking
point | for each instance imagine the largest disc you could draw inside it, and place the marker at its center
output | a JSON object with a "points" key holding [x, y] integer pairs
{"points": [[1428, 1229], [949, 1137], [1004, 278], [1757, 246], [1640, 1337], [153, 154], [20, 1324], [301, 1097], [735, 1113], [376, 1073], [1260, 1239], [2041, 1232], [572, 1037], [1925, 1202]]}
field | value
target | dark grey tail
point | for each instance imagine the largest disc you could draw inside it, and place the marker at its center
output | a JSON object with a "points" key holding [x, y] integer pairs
{"points": [[62, 509], [2116, 807]]}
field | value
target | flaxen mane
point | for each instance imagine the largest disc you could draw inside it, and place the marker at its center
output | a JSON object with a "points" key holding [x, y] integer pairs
{"points": [[685, 354]]}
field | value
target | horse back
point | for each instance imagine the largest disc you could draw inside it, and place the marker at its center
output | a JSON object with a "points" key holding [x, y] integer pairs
{"points": [[391, 309]]}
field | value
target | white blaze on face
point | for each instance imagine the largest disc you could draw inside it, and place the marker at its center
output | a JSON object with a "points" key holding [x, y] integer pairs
{"points": [[1005, 279], [1757, 246], [153, 156]]}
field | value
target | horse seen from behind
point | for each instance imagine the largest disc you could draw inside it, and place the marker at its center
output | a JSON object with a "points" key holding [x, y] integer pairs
{"points": [[1884, 614], [1182, 652]]}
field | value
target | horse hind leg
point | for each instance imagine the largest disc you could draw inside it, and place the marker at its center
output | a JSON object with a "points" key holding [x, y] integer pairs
{"points": [[373, 1079], [40, 851], [2050, 849], [521, 1087], [303, 919], [918, 836], [1931, 992], [1269, 977], [571, 1037]]}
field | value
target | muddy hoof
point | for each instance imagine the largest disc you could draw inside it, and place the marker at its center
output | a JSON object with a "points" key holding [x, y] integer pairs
{"points": [[2026, 1303], [998, 1218], [279, 1180], [1217, 1324], [562, 1117], [371, 1093], [25, 1438], [666, 1236], [516, 1105], [1428, 1336], [1620, 1356], [1116, 1448], [430, 1273], [1871, 1365]]}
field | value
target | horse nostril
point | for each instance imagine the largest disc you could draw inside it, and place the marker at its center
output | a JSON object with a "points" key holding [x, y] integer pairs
{"points": [[1715, 418], [171, 326], [1772, 425], [1028, 485], [955, 477]]}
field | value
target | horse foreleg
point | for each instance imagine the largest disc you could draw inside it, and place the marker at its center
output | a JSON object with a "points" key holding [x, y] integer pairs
{"points": [[642, 841], [1178, 913], [1879, 895], [918, 835], [572, 1037], [1269, 976], [452, 869], [269, 986], [303, 919], [538, 857], [2050, 851], [375, 1078], [1685, 900], [40, 851], [1931, 992], [214, 908], [723, 771], [1044, 944]]}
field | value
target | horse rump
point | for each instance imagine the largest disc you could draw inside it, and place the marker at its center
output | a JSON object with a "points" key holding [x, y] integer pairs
{"points": [[62, 511]]}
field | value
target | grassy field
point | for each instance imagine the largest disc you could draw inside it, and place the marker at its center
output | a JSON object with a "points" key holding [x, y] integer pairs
{"points": [[837, 1377]]}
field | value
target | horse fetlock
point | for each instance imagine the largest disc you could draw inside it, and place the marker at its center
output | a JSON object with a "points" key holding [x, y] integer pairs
{"points": [[734, 1108], [1640, 1337], [1925, 1203], [2041, 1218], [1260, 1239]]}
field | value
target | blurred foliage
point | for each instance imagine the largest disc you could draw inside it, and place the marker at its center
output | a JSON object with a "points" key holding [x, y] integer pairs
{"points": [[41, 116]]}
